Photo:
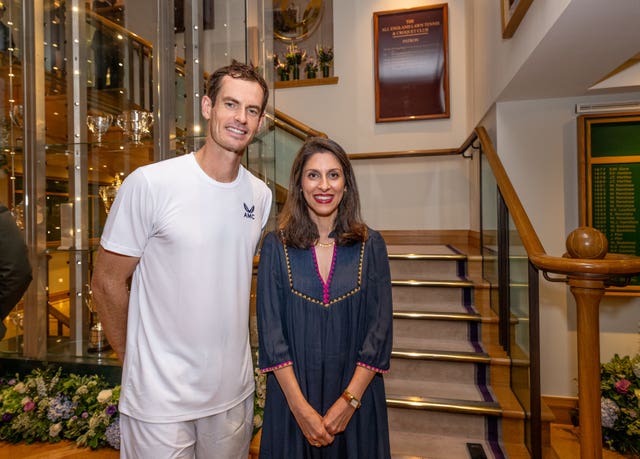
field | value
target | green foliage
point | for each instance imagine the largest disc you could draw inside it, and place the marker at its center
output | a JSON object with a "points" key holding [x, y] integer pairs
{"points": [[258, 400], [620, 404], [48, 406]]}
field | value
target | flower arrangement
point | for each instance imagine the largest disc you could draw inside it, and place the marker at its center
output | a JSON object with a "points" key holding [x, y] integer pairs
{"points": [[311, 67], [258, 400], [295, 55], [47, 406], [325, 58], [620, 404], [282, 69], [325, 54]]}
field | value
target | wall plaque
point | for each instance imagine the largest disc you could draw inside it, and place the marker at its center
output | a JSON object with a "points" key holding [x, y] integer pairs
{"points": [[411, 70], [609, 180]]}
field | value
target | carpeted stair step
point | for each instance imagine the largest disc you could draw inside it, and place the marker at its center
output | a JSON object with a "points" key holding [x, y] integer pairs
{"points": [[434, 262], [439, 366], [412, 445], [432, 295], [442, 429], [440, 400], [436, 325]]}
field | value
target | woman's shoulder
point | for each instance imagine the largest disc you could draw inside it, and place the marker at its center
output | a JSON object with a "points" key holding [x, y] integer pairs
{"points": [[272, 238], [374, 236]]}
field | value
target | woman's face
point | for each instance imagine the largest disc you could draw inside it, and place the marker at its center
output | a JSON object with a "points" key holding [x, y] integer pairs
{"points": [[323, 185]]}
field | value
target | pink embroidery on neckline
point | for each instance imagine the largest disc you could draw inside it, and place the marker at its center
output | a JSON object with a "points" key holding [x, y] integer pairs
{"points": [[325, 285]]}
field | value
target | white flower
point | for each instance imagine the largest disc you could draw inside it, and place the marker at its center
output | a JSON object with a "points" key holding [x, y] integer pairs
{"points": [[55, 429], [82, 390], [105, 395], [20, 388], [257, 421], [25, 401]]}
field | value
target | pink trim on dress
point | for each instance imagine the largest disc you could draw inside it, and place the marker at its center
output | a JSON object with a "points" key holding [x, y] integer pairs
{"points": [[288, 363], [325, 285], [369, 367]]}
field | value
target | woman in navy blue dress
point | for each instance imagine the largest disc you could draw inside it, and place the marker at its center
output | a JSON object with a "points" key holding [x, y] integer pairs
{"points": [[324, 318]]}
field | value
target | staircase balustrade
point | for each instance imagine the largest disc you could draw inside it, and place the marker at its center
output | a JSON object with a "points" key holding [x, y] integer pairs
{"points": [[588, 273]]}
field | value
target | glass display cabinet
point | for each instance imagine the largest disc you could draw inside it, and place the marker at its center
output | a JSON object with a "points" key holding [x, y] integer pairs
{"points": [[101, 89]]}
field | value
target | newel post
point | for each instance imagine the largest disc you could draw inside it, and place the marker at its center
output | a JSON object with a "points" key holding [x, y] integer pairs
{"points": [[587, 293], [588, 289]]}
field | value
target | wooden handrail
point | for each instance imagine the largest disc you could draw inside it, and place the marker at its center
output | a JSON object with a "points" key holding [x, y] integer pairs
{"points": [[587, 280], [415, 153], [293, 126], [117, 28], [612, 264]]}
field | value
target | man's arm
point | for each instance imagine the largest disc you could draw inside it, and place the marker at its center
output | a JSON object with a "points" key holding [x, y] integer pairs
{"points": [[110, 293]]}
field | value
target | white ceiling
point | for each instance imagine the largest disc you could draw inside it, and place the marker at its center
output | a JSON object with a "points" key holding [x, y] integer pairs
{"points": [[591, 40]]}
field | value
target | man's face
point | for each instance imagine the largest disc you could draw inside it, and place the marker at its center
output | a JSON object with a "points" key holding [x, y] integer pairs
{"points": [[234, 117]]}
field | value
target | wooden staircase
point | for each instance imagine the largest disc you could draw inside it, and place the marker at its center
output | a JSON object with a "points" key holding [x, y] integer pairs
{"points": [[448, 391]]}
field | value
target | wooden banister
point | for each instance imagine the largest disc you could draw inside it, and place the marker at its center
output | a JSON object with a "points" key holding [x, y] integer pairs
{"points": [[293, 126], [146, 45], [587, 279]]}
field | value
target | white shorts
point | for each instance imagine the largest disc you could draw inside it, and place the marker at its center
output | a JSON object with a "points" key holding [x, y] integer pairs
{"points": [[225, 435]]}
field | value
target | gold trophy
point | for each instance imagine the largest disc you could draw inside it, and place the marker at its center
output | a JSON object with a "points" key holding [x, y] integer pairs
{"points": [[97, 339], [108, 193]]}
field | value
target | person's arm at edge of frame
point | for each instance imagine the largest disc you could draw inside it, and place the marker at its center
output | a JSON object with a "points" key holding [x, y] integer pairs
{"points": [[308, 418], [110, 292]]}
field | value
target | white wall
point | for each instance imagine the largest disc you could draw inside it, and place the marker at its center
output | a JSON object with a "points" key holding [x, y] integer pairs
{"points": [[405, 194], [415, 193], [496, 60], [346, 111], [537, 144]]}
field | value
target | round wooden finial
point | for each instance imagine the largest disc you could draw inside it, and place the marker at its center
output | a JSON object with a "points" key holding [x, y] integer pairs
{"points": [[587, 242]]}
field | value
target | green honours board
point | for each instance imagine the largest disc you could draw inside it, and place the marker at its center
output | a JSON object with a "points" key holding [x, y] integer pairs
{"points": [[614, 205], [610, 181], [615, 139]]}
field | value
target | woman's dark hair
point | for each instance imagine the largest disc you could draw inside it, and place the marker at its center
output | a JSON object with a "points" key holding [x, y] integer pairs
{"points": [[295, 224], [237, 70]]}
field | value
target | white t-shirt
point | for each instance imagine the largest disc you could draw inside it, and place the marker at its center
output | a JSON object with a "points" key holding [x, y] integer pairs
{"points": [[188, 353]]}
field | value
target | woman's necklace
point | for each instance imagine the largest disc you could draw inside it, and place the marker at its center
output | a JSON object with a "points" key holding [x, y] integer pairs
{"points": [[325, 245]]}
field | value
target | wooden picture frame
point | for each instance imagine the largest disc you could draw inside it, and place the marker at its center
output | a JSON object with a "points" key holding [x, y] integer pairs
{"points": [[513, 12], [411, 64]]}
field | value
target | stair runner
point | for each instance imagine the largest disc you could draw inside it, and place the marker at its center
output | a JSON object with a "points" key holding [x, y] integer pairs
{"points": [[440, 400]]}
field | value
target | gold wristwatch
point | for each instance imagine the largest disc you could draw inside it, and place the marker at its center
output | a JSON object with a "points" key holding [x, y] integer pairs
{"points": [[351, 399]]}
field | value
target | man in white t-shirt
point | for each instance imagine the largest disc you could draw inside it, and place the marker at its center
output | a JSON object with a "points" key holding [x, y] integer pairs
{"points": [[185, 231]]}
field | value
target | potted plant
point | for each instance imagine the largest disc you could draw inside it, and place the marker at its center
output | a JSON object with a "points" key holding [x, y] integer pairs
{"points": [[294, 58], [325, 59], [311, 67]]}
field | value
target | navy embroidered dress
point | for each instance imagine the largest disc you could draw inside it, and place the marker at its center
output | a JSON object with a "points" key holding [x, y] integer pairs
{"points": [[324, 333]]}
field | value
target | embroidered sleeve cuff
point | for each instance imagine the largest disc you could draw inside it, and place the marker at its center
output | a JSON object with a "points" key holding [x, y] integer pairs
{"points": [[369, 367], [288, 363]]}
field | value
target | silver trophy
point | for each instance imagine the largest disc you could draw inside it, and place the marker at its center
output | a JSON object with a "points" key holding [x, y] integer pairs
{"points": [[136, 124], [99, 125], [97, 339]]}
